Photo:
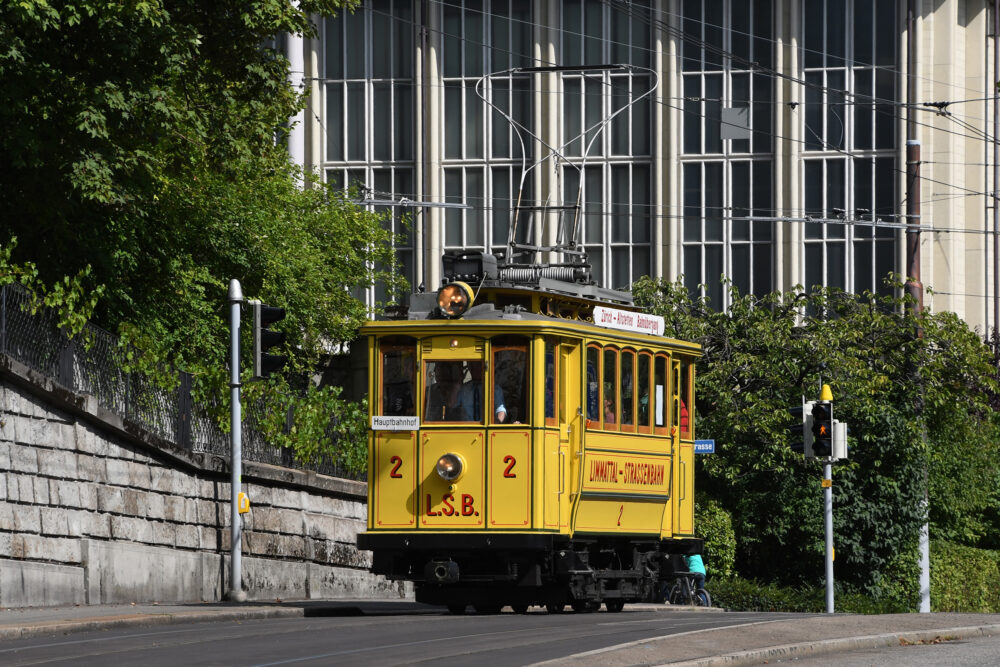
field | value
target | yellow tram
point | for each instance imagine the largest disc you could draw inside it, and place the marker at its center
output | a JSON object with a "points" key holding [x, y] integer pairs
{"points": [[531, 443]]}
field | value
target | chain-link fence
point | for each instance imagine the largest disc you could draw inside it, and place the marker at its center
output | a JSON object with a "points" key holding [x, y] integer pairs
{"points": [[92, 363]]}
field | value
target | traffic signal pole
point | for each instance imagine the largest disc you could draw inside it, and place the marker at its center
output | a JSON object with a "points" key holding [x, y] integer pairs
{"points": [[828, 526], [236, 592]]}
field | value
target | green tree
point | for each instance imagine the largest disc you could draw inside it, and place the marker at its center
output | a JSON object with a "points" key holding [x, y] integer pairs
{"points": [[915, 389], [143, 152]]}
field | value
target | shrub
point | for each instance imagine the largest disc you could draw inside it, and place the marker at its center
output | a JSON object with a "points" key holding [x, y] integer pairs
{"points": [[964, 578], [714, 525]]}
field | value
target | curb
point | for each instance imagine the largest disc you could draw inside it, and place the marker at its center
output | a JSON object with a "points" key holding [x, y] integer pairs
{"points": [[42, 628], [808, 649]]}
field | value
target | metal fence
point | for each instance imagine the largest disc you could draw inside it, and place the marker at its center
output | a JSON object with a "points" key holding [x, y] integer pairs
{"points": [[92, 363]]}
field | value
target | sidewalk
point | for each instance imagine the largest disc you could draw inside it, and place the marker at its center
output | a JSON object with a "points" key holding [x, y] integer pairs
{"points": [[752, 643], [782, 640]]}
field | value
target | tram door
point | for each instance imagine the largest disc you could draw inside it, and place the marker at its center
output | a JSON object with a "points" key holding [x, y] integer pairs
{"points": [[562, 429]]}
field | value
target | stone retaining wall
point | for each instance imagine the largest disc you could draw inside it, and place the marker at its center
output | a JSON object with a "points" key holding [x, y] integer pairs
{"points": [[95, 510]]}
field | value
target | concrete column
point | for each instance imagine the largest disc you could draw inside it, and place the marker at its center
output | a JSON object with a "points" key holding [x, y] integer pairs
{"points": [[671, 119], [432, 122], [295, 52]]}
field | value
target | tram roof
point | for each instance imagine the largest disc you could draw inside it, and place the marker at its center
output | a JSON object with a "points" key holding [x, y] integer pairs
{"points": [[488, 316]]}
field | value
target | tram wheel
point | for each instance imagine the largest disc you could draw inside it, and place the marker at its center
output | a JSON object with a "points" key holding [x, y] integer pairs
{"points": [[488, 609], [519, 608], [614, 606], [585, 606], [554, 608], [457, 609]]}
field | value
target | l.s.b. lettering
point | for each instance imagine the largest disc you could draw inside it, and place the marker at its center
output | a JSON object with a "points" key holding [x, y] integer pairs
{"points": [[466, 505]]}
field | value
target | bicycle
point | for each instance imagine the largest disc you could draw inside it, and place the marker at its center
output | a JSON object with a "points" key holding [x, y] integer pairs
{"points": [[684, 591]]}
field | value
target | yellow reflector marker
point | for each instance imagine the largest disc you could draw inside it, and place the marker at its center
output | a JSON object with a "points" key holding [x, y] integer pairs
{"points": [[454, 299], [243, 503]]}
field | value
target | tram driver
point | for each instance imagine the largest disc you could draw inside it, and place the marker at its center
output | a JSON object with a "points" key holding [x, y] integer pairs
{"points": [[443, 397]]}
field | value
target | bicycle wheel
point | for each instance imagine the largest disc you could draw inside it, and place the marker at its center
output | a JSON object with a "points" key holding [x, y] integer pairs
{"points": [[702, 598], [676, 595]]}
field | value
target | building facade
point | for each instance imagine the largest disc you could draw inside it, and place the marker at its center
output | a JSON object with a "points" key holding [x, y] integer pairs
{"points": [[770, 153]]}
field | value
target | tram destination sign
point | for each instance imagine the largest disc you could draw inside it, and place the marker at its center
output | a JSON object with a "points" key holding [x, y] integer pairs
{"points": [[627, 320], [406, 423]]}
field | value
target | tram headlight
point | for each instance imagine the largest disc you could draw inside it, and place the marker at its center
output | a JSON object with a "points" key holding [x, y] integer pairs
{"points": [[454, 299], [449, 467]]}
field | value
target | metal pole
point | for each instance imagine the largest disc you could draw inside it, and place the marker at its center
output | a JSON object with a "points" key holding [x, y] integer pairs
{"points": [[914, 286], [996, 168], [236, 592], [828, 525]]}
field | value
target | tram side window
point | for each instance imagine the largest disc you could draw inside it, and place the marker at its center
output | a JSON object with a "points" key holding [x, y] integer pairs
{"points": [[660, 384], [550, 381], [610, 387], [510, 376], [627, 393], [593, 385], [687, 405], [398, 372], [642, 392]]}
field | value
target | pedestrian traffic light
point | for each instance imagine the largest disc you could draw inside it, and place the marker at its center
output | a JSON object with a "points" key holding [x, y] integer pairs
{"points": [[800, 435], [822, 429], [264, 339]]}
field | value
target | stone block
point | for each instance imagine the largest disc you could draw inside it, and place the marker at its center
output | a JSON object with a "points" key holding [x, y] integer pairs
{"points": [[133, 502], [24, 584], [97, 525], [121, 573], [138, 475], [88, 496], [40, 490], [54, 521], [92, 468], [58, 549], [6, 547], [3, 487], [287, 498], [57, 463], [5, 453], [186, 536], [326, 582], [89, 442], [209, 538], [320, 526], [215, 577], [110, 499], [173, 508], [7, 517], [164, 533], [154, 506], [6, 427], [64, 492], [117, 472], [207, 511], [267, 579], [162, 480], [24, 458], [26, 488], [27, 519], [131, 529]]}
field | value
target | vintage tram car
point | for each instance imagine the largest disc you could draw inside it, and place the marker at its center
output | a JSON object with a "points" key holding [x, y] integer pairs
{"points": [[531, 443]]}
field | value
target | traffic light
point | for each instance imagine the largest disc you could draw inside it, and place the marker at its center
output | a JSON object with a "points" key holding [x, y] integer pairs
{"points": [[264, 339], [822, 429], [801, 437]]}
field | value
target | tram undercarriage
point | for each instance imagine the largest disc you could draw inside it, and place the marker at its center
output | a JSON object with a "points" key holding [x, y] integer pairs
{"points": [[580, 573]]}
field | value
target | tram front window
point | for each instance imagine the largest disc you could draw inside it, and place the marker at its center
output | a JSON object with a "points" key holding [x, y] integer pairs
{"points": [[443, 395], [397, 380]]}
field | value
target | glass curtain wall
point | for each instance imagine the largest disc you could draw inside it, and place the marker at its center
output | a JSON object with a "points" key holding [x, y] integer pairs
{"points": [[727, 183], [617, 199], [850, 152], [482, 154], [368, 119]]}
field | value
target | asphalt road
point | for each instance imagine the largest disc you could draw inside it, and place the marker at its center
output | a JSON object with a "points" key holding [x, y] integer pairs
{"points": [[380, 638]]}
